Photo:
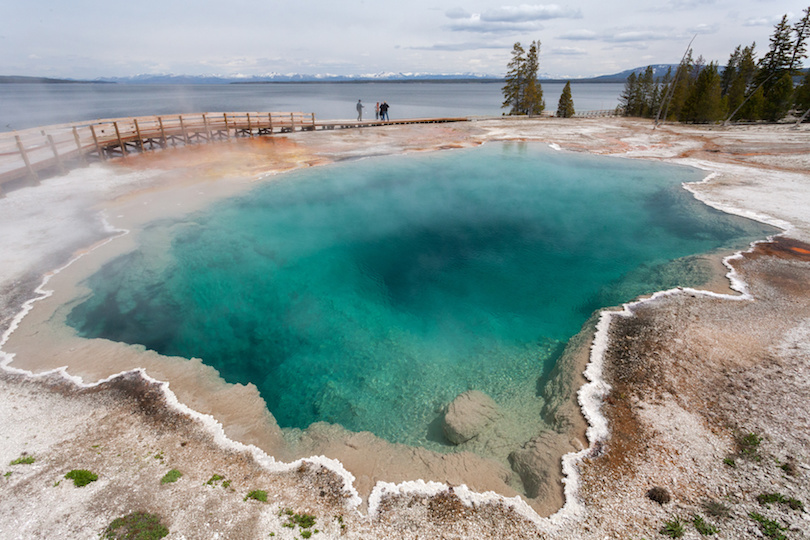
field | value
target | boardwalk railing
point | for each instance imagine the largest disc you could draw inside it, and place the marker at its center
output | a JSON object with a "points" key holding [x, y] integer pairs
{"points": [[597, 114], [27, 155]]}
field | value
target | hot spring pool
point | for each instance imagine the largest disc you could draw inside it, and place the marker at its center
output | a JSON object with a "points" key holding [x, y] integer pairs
{"points": [[370, 293]]}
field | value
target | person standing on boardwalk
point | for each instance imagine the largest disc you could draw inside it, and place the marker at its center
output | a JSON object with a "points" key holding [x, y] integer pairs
{"points": [[384, 111], [359, 111], [377, 111]]}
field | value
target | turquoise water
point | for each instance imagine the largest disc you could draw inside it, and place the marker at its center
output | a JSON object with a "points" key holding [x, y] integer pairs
{"points": [[369, 293]]}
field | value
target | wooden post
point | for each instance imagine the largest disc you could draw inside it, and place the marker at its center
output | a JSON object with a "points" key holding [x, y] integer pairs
{"points": [[28, 166], [313, 121], [79, 145], [292, 122], [100, 151], [250, 128], [56, 155], [120, 142], [138, 132], [183, 128], [207, 131], [227, 132], [270, 120], [163, 134]]}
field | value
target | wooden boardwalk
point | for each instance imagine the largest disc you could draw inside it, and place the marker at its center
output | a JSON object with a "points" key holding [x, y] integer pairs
{"points": [[28, 155]]}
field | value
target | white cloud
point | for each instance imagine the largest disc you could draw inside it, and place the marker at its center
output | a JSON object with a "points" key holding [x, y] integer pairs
{"points": [[579, 35], [529, 13], [636, 35], [763, 21], [466, 46], [457, 13], [568, 51], [508, 19], [475, 24], [704, 29]]}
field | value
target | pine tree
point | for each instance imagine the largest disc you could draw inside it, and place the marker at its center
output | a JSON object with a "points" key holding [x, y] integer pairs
{"points": [[682, 87], [704, 103], [778, 98], [565, 107], [802, 31], [522, 93], [778, 58], [803, 95], [647, 92], [741, 87], [513, 90], [629, 97], [731, 71], [533, 98]]}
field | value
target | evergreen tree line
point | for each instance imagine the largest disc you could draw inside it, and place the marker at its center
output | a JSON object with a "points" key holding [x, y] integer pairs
{"points": [[746, 89]]}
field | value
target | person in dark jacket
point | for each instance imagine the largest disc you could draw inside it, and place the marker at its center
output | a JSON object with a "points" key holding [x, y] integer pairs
{"points": [[384, 111]]}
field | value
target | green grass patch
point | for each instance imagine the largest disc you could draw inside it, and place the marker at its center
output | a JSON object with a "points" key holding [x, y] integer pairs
{"points": [[136, 526], [302, 520], [81, 477], [716, 509], [258, 495], [766, 499], [769, 528], [703, 527], [729, 462], [23, 460], [749, 446], [171, 476], [214, 479], [673, 528]]}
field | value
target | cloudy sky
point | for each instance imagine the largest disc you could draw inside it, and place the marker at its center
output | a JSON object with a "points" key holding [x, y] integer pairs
{"points": [[90, 38]]}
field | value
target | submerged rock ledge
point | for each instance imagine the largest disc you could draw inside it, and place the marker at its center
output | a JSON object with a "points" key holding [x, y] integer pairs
{"points": [[669, 423]]}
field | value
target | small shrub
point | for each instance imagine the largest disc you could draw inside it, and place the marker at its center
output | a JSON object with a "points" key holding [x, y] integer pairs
{"points": [[23, 460], [704, 528], [659, 495], [730, 462], [214, 479], [257, 494], [749, 446], [765, 499], [789, 467], [769, 528], [673, 528], [171, 476], [305, 521], [716, 509], [81, 477], [136, 526]]}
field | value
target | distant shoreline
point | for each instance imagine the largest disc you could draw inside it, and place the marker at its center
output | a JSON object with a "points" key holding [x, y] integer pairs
{"points": [[177, 81]]}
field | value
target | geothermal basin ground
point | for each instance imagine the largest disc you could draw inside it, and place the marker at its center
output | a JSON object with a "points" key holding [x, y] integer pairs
{"points": [[677, 383]]}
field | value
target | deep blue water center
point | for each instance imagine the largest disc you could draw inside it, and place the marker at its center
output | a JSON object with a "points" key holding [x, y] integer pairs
{"points": [[369, 293]]}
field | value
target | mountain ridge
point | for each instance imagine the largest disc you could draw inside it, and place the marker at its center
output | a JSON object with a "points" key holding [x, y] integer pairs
{"points": [[168, 78]]}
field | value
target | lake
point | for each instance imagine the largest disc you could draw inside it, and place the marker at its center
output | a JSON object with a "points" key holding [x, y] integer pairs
{"points": [[31, 105]]}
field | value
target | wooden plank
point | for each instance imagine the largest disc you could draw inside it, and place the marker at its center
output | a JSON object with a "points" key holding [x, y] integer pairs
{"points": [[138, 131], [120, 142], [56, 154], [28, 166]]}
